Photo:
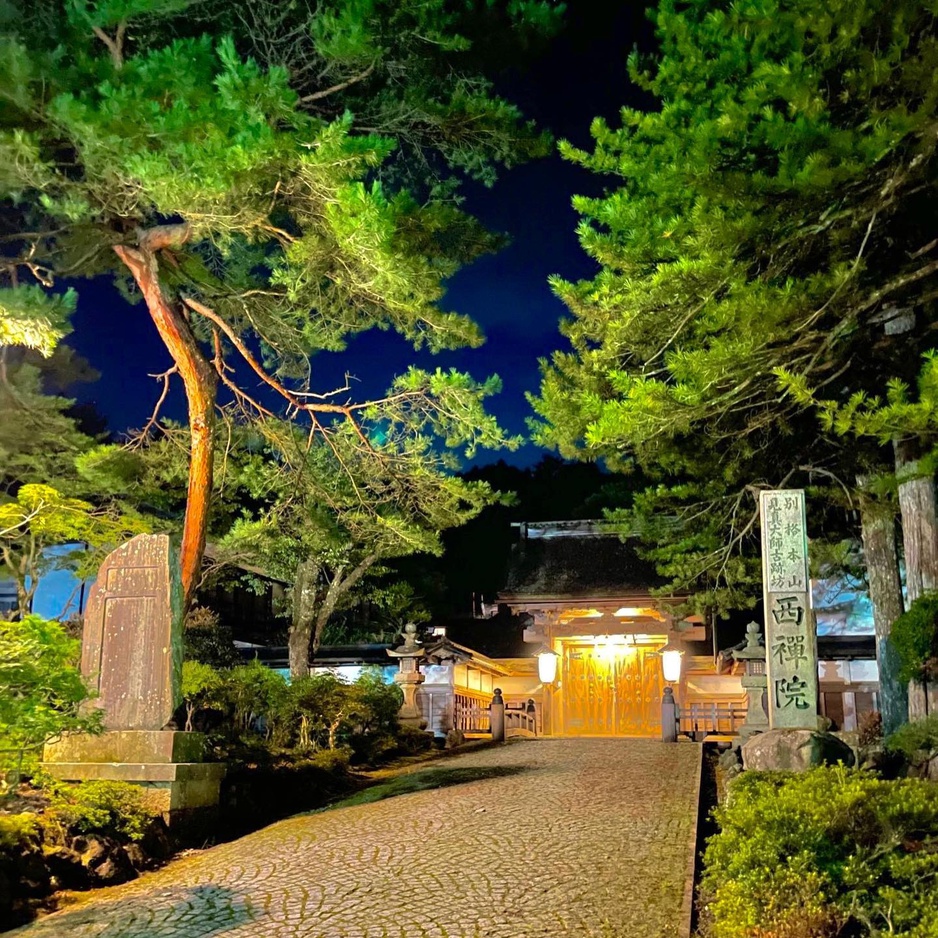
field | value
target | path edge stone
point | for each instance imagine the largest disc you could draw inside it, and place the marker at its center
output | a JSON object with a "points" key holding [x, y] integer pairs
{"points": [[687, 906]]}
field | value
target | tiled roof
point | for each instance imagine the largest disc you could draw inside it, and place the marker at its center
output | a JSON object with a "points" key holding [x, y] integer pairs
{"points": [[578, 566]]}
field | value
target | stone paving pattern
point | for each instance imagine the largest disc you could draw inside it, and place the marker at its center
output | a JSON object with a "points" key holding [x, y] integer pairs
{"points": [[561, 837]]}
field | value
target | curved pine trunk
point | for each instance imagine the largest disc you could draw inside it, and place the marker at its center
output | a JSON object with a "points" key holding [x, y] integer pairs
{"points": [[201, 386]]}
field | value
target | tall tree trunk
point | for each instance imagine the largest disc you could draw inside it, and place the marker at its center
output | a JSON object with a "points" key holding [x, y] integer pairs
{"points": [[310, 614], [340, 585], [305, 592], [919, 540], [878, 527], [201, 385]]}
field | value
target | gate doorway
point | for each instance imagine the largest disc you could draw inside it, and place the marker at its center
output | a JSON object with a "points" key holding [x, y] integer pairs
{"points": [[612, 688]]}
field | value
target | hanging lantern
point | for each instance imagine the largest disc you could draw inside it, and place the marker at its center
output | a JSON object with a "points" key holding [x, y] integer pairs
{"points": [[547, 667], [671, 663]]}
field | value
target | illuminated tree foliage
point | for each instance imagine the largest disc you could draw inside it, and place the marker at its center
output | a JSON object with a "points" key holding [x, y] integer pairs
{"points": [[771, 220], [41, 690], [768, 216], [241, 167], [319, 515], [40, 436], [41, 517]]}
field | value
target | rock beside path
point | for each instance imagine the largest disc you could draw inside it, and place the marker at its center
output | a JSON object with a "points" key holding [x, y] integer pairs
{"points": [[794, 750]]}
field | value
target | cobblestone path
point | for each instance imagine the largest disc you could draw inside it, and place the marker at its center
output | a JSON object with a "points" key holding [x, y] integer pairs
{"points": [[537, 838]]}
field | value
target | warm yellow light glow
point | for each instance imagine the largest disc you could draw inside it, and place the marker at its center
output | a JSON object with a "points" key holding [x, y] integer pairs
{"points": [[602, 649], [638, 612], [608, 647], [671, 664], [570, 614], [547, 667]]}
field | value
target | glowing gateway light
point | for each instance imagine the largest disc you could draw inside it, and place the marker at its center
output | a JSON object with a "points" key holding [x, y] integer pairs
{"points": [[671, 664], [547, 667]]}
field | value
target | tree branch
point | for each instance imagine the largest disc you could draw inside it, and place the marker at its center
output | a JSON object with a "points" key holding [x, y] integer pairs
{"points": [[354, 80], [164, 376], [310, 408], [116, 45], [337, 588]]}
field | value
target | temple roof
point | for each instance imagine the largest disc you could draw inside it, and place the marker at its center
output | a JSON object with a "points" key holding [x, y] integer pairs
{"points": [[577, 563], [446, 648]]}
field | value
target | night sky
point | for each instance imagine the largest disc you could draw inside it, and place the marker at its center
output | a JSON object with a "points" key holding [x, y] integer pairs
{"points": [[582, 74]]}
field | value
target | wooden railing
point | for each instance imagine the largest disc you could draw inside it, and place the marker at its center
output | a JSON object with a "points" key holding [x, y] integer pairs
{"points": [[471, 713], [711, 718], [520, 723]]}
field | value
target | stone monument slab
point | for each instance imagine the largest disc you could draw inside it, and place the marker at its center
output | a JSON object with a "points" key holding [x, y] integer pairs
{"points": [[132, 657], [132, 641]]}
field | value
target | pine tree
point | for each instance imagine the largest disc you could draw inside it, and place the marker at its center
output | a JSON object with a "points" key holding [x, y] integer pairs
{"points": [[209, 159], [770, 215]]}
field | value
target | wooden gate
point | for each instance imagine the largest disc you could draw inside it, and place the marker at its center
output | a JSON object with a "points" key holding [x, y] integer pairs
{"points": [[611, 690]]}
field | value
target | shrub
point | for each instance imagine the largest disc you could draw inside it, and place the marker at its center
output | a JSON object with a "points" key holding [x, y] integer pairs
{"points": [[330, 760], [17, 830], [207, 641], [201, 687], [912, 738], [254, 694], [378, 703], [115, 808], [41, 689], [915, 637], [870, 730], [833, 851]]}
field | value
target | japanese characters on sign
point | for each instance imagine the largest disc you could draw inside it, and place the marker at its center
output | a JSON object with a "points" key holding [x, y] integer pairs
{"points": [[791, 639]]}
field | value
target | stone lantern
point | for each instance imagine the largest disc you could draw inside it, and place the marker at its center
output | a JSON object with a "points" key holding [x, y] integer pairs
{"points": [[409, 677], [754, 681]]}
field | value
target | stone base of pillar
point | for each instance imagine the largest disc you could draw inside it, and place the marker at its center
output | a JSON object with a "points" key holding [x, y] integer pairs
{"points": [[410, 713], [166, 764]]}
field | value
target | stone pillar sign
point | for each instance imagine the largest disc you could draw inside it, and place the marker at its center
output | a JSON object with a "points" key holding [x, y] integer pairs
{"points": [[790, 633]]}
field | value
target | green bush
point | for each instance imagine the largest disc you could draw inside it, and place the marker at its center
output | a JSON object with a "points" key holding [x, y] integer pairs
{"points": [[17, 830], [201, 688], [912, 738], [264, 716], [253, 695], [915, 638], [207, 641], [329, 760], [833, 851], [115, 808], [41, 689]]}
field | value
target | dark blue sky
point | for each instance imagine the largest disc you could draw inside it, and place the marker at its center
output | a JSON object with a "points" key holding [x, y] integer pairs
{"points": [[581, 75]]}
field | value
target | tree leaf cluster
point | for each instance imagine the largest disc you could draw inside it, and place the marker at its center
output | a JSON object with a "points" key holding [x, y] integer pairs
{"points": [[766, 222]]}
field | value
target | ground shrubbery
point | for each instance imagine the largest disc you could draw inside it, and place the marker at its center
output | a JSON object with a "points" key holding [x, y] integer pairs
{"points": [[116, 809], [832, 852], [251, 712], [916, 739], [57, 835], [41, 690]]}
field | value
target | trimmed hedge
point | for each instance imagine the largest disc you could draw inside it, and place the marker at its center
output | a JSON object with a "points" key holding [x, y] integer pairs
{"points": [[830, 852]]}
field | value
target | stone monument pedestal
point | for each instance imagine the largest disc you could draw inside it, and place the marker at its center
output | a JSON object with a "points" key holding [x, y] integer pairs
{"points": [[167, 764]]}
